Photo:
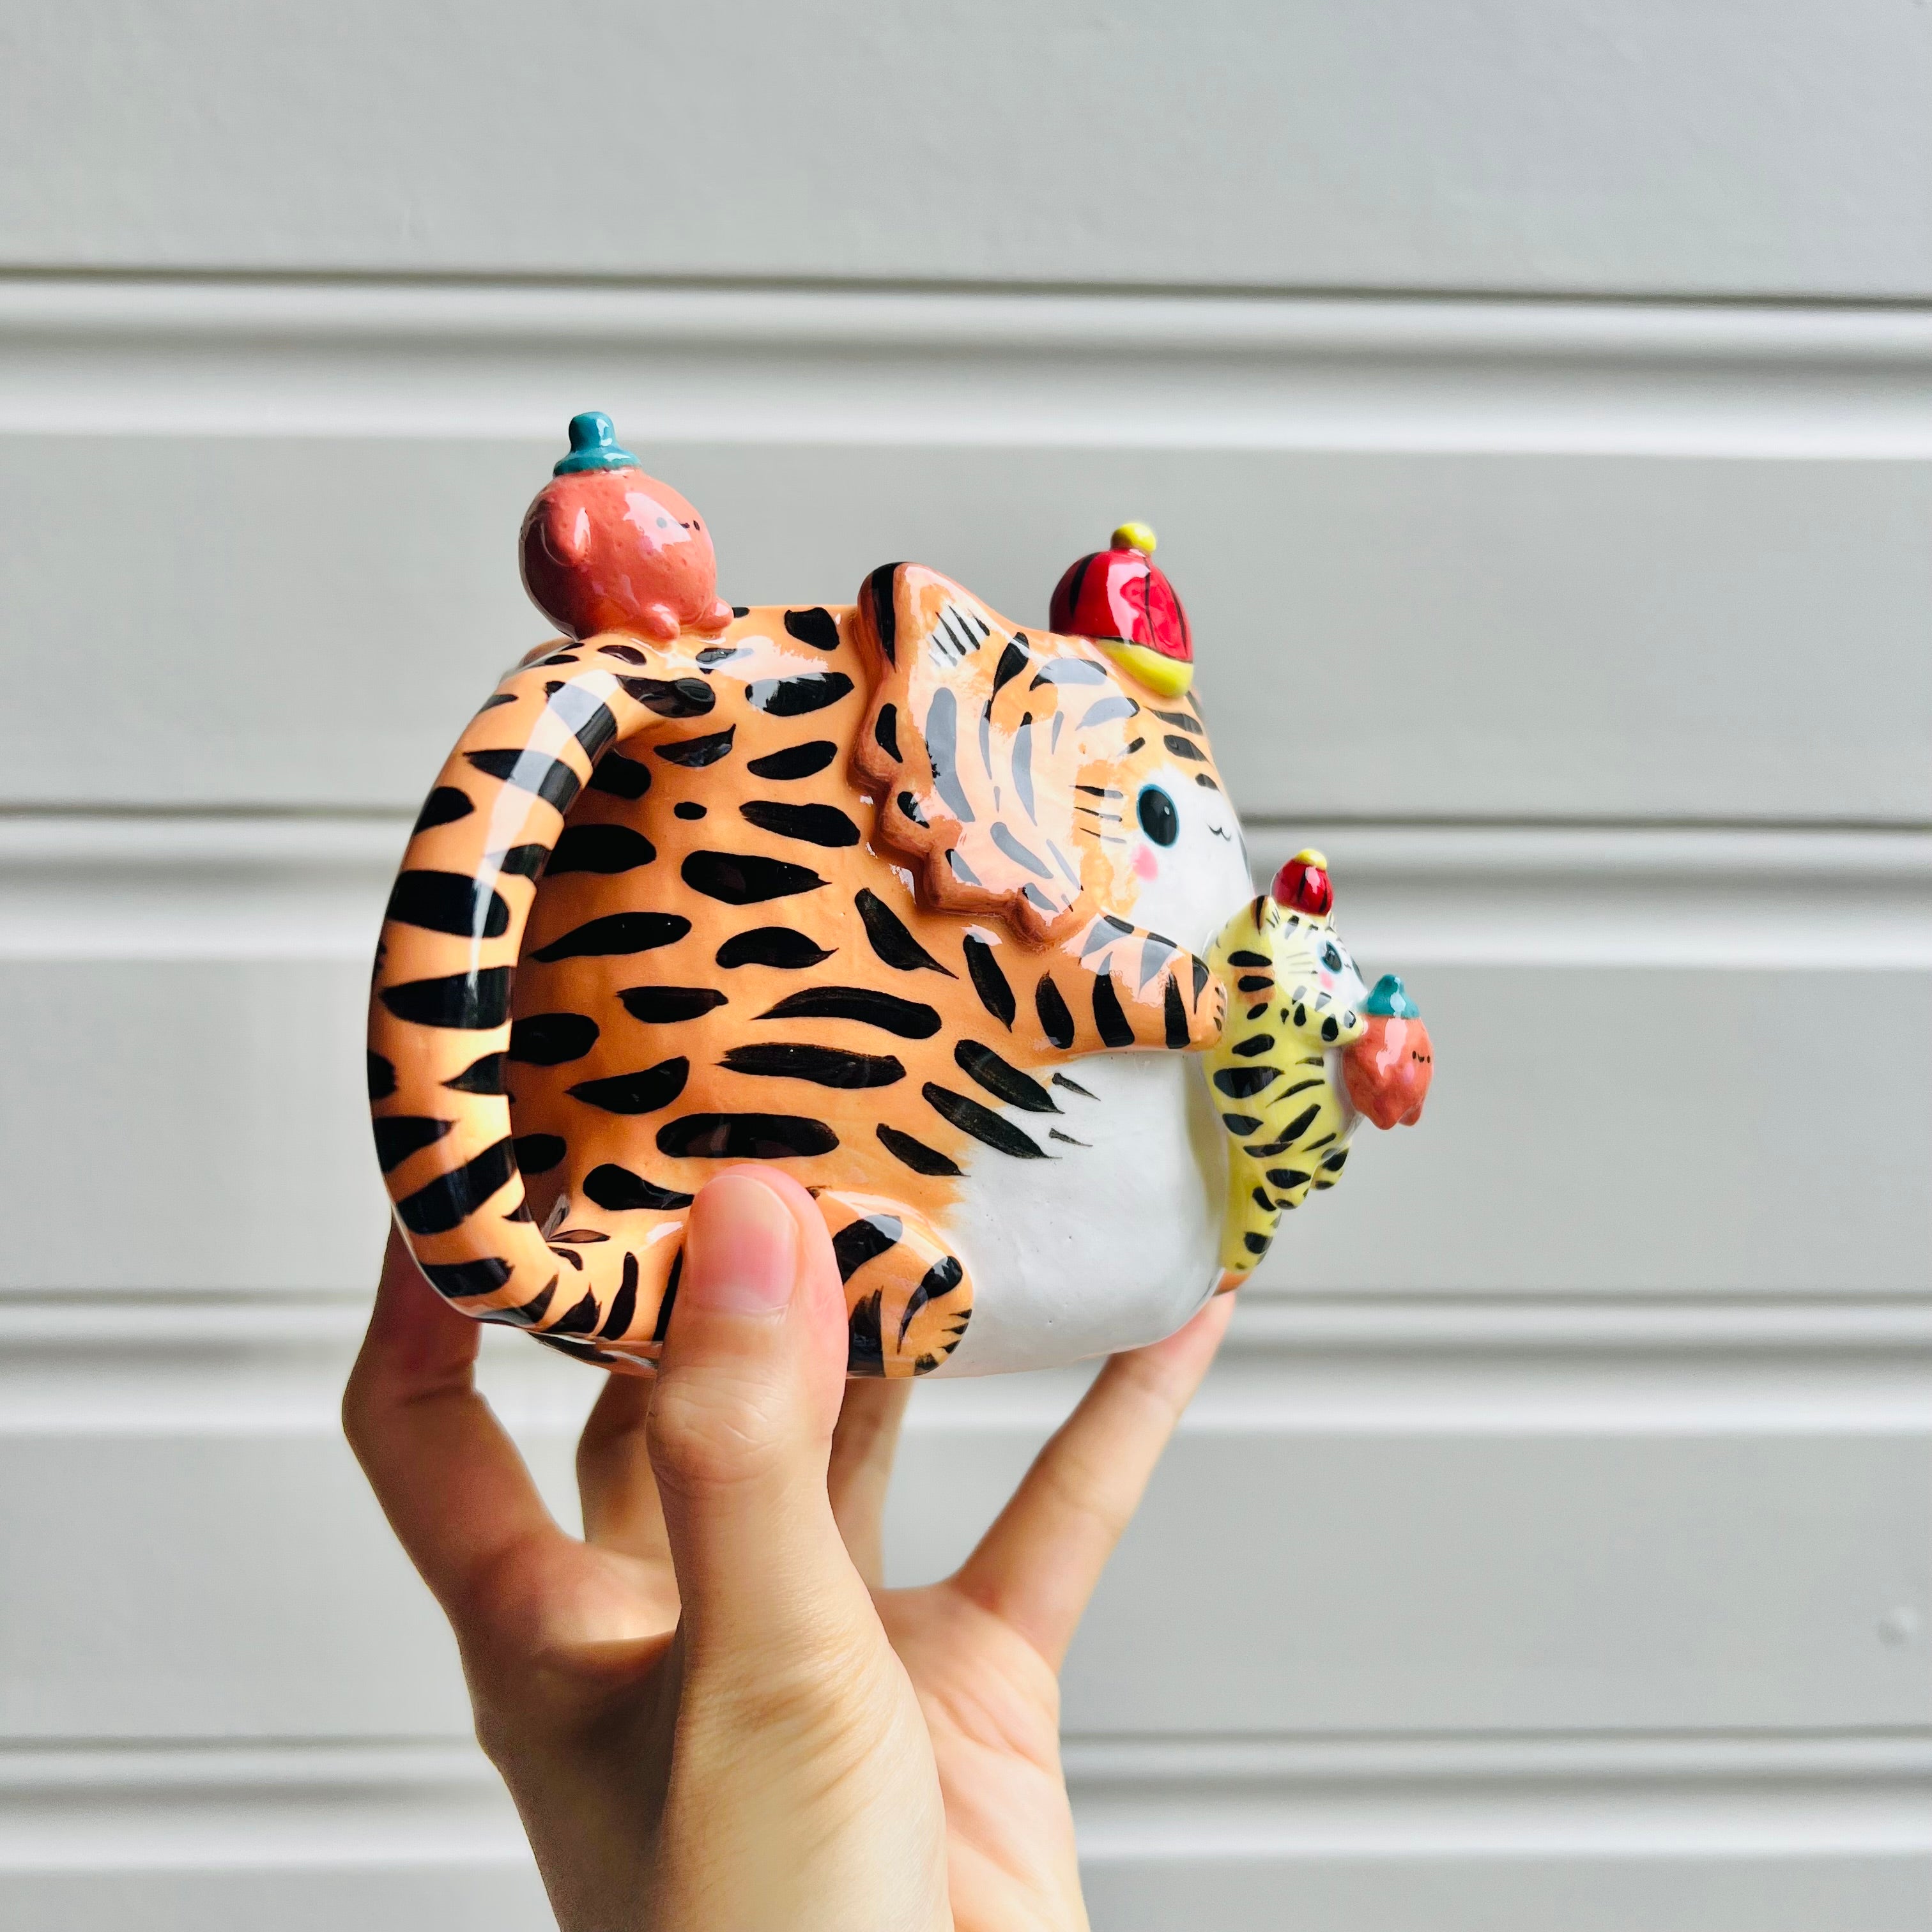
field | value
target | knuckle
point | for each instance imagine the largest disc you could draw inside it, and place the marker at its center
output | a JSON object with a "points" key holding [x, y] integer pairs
{"points": [[711, 1432]]}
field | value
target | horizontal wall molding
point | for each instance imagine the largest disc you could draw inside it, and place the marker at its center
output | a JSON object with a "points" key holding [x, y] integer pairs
{"points": [[273, 1365], [91, 1806], [787, 365], [107, 886]]}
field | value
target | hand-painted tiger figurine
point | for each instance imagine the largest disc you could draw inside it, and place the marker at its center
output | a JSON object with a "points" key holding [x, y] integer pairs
{"points": [[899, 894]]}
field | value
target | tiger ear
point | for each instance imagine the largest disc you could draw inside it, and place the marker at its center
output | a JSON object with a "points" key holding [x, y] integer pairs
{"points": [[985, 742]]}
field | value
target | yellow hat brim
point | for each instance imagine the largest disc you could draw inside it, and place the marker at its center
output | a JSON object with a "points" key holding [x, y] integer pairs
{"points": [[1170, 677]]}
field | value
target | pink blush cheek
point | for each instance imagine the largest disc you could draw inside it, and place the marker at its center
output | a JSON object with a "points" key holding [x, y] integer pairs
{"points": [[1145, 865]]}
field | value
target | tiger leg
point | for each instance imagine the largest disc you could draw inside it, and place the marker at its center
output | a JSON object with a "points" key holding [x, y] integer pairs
{"points": [[907, 1296]]}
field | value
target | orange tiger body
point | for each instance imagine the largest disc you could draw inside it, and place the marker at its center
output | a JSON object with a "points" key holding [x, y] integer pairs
{"points": [[852, 889]]}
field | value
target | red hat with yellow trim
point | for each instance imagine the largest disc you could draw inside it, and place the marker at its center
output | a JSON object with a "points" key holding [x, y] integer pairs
{"points": [[1118, 598]]}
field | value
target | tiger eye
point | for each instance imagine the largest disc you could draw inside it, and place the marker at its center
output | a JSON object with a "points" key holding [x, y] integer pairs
{"points": [[1159, 819]]}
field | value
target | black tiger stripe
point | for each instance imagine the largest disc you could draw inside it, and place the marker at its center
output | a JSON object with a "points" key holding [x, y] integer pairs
{"points": [[823, 1066], [471, 1001], [620, 777], [1300, 1125], [885, 731], [485, 1075], [399, 1136], [1183, 748], [615, 933], [1251, 959], [1174, 1011], [1242, 1083], [600, 848], [1056, 1021], [444, 806], [865, 1346], [627, 653], [982, 1123], [490, 703], [798, 697], [537, 1154], [817, 627], [745, 878], [381, 1075], [812, 824], [589, 718], [1113, 1023], [995, 991], [457, 1281], [618, 1189], [450, 902], [1185, 720], [1201, 976], [644, 1091], [549, 1039], [624, 1303], [580, 1319], [796, 761], [662, 1327], [671, 697], [879, 588], [520, 862], [550, 778], [449, 1199], [1238, 1124], [910, 1019], [694, 754], [1286, 1178], [666, 1006], [915, 1153], [890, 938], [1002, 1079], [745, 1137], [777, 946], [1254, 1043], [864, 1240], [940, 1279], [1012, 660]]}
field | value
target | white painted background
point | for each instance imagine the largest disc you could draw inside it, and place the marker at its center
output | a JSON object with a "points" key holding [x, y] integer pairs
{"points": [[1534, 397]]}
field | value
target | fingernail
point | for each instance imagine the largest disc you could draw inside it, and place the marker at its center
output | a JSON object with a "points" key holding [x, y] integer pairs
{"points": [[743, 1248]]}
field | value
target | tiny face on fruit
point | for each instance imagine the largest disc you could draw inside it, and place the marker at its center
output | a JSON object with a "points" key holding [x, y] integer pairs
{"points": [[1388, 1070], [615, 549]]}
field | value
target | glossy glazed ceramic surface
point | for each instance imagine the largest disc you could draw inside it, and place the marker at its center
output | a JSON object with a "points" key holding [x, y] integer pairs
{"points": [[915, 900]]}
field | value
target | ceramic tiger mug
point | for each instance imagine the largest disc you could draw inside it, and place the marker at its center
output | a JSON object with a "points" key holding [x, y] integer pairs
{"points": [[948, 915]]}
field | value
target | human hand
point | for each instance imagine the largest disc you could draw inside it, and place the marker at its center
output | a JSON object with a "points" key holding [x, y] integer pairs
{"points": [[709, 1713]]}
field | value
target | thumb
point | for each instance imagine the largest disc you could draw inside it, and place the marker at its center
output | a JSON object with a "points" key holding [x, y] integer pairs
{"points": [[741, 1418]]}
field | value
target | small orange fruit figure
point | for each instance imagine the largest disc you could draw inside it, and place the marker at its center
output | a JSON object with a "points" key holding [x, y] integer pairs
{"points": [[606, 548], [1388, 1069]]}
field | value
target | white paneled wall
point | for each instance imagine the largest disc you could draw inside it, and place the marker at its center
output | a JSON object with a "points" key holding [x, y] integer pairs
{"points": [[1535, 403]]}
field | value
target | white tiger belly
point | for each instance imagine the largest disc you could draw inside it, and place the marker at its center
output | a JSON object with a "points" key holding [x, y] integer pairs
{"points": [[1104, 1245]]}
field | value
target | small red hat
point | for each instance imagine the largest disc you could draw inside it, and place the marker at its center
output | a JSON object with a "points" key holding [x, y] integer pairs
{"points": [[1302, 885], [1118, 598]]}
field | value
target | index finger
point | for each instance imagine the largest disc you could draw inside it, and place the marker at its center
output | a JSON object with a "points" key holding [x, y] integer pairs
{"points": [[448, 1478], [1038, 1565]]}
